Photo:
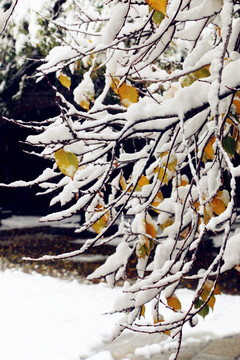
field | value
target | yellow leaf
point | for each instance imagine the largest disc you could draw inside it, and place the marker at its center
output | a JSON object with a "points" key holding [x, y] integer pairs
{"points": [[101, 223], [207, 288], [217, 290], [220, 202], [67, 162], [85, 104], [205, 292], [128, 94], [151, 230], [142, 182], [123, 183], [208, 213], [201, 73], [143, 311], [161, 176], [218, 206], [158, 199], [236, 103], [170, 162], [184, 181], [209, 152], [211, 302], [141, 251], [158, 5], [174, 302], [167, 223], [159, 320], [65, 81], [185, 232], [114, 85]]}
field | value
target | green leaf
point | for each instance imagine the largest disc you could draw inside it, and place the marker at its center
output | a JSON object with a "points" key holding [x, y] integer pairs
{"points": [[229, 145], [201, 73], [141, 251], [158, 16], [67, 162], [187, 81], [204, 311]]}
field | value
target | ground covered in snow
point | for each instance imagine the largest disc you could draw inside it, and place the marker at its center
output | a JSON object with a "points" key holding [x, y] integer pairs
{"points": [[47, 318], [22, 236]]}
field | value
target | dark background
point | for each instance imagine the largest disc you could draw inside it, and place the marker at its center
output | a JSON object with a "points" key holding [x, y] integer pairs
{"points": [[36, 104]]}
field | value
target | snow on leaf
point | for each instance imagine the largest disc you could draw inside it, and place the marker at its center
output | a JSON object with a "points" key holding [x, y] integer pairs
{"points": [[67, 162], [84, 92], [113, 262]]}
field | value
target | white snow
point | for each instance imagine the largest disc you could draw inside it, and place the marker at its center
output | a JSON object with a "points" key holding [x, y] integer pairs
{"points": [[18, 222], [231, 255], [47, 318], [85, 90]]}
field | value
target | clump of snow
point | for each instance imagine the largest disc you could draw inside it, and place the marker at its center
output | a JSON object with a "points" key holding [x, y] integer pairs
{"points": [[231, 255], [115, 23], [85, 90]]}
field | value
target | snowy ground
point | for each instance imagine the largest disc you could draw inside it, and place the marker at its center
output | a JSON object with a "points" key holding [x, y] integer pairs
{"points": [[44, 318], [18, 222]]}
